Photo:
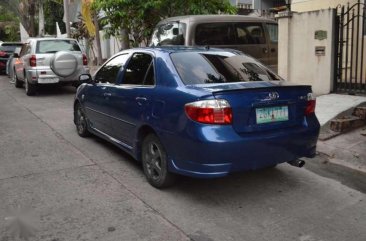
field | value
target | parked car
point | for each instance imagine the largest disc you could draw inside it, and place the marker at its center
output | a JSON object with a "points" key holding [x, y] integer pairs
{"points": [[254, 36], [6, 51], [199, 112], [49, 61], [10, 64]]}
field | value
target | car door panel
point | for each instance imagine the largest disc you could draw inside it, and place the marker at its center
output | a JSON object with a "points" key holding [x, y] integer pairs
{"points": [[98, 106], [130, 101]]}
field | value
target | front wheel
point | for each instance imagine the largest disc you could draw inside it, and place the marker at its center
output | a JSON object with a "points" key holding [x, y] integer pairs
{"points": [[80, 121], [154, 162]]}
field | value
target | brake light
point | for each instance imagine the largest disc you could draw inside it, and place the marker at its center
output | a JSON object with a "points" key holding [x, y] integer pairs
{"points": [[310, 105], [3, 54], [85, 60], [216, 112], [33, 61]]}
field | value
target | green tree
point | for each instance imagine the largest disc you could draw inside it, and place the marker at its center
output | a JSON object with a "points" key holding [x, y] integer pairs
{"points": [[9, 25], [53, 12], [140, 16]]}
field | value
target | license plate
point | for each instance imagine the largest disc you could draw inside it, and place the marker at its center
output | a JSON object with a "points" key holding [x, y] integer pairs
{"points": [[48, 80], [271, 114]]}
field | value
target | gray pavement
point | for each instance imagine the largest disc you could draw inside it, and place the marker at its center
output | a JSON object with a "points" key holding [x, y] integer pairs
{"points": [[347, 150], [329, 106], [86, 189]]}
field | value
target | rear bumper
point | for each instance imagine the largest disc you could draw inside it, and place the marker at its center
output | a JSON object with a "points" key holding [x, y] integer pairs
{"points": [[37, 75], [219, 150]]}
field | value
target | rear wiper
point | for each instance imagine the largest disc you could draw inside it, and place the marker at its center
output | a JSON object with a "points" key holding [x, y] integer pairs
{"points": [[50, 52]]}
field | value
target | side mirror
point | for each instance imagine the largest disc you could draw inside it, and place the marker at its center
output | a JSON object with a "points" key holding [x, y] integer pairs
{"points": [[85, 78], [15, 55]]}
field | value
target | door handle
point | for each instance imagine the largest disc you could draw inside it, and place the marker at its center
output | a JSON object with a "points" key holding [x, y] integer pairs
{"points": [[140, 100], [107, 94], [265, 50]]}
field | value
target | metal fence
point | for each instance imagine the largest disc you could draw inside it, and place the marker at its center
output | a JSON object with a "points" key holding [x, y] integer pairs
{"points": [[350, 64]]}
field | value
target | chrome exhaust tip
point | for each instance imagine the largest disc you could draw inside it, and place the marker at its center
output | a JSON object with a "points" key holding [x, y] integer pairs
{"points": [[297, 163]]}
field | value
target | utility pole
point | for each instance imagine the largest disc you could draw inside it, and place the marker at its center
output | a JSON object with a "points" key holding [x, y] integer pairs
{"points": [[67, 19]]}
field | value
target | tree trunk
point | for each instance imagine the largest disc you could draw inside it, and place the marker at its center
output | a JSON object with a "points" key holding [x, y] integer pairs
{"points": [[97, 38], [125, 40], [32, 12]]}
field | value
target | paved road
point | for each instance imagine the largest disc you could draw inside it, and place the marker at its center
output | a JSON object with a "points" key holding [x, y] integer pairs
{"points": [[87, 189]]}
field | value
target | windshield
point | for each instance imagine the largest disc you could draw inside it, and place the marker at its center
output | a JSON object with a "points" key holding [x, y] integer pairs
{"points": [[53, 46], [219, 67], [172, 33]]}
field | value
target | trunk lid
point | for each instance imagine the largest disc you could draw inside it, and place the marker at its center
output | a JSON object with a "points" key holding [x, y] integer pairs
{"points": [[262, 106]]}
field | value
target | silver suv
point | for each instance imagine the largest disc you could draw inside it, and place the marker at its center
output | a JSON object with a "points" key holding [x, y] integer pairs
{"points": [[49, 61]]}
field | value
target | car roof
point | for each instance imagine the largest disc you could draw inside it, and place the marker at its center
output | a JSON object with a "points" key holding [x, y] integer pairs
{"points": [[217, 18], [181, 48], [49, 38]]}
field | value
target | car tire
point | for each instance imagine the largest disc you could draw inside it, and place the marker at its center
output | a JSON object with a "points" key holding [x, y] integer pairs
{"points": [[17, 82], [81, 121], [155, 163], [30, 89]]}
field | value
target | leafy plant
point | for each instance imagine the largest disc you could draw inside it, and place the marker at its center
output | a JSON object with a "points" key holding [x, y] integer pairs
{"points": [[139, 17]]}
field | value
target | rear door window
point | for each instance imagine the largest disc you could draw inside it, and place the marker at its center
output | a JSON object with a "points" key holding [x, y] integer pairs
{"points": [[225, 67], [215, 34], [53, 46], [250, 33], [139, 70]]}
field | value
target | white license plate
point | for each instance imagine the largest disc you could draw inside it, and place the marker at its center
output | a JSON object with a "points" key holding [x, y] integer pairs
{"points": [[48, 80], [271, 114]]}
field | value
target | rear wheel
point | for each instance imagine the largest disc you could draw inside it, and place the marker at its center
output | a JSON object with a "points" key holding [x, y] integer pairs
{"points": [[154, 162], [30, 89], [80, 122], [17, 82]]}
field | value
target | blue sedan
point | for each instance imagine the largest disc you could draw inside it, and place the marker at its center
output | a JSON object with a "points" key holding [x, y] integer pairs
{"points": [[197, 112]]}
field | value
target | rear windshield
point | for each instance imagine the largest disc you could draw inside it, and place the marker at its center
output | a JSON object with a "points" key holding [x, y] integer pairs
{"points": [[53, 46], [219, 67], [10, 48]]}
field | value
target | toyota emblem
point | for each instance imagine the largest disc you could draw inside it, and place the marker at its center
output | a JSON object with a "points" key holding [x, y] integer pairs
{"points": [[273, 95]]}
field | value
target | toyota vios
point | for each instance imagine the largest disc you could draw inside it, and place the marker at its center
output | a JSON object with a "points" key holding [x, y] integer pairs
{"points": [[198, 112]]}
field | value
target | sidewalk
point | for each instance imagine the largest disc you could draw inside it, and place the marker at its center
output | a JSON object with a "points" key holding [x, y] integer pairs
{"points": [[348, 149]]}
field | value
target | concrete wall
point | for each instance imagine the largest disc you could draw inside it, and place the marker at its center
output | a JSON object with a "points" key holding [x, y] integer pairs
{"points": [[297, 61], [311, 5]]}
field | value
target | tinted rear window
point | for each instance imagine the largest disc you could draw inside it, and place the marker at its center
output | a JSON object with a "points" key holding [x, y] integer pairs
{"points": [[53, 46], [9, 47], [216, 67]]}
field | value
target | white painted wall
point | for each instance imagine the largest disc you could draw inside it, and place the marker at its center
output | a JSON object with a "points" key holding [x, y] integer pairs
{"points": [[297, 61]]}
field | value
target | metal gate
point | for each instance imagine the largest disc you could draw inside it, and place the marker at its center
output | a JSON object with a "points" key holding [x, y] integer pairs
{"points": [[350, 64]]}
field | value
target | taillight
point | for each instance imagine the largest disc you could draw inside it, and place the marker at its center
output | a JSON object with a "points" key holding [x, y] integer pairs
{"points": [[310, 105], [3, 54], [85, 60], [33, 61], [210, 112]]}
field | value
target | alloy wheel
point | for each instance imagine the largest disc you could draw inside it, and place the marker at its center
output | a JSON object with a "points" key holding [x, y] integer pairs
{"points": [[153, 161]]}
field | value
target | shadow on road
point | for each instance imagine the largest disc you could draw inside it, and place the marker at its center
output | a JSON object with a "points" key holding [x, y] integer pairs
{"points": [[55, 90]]}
